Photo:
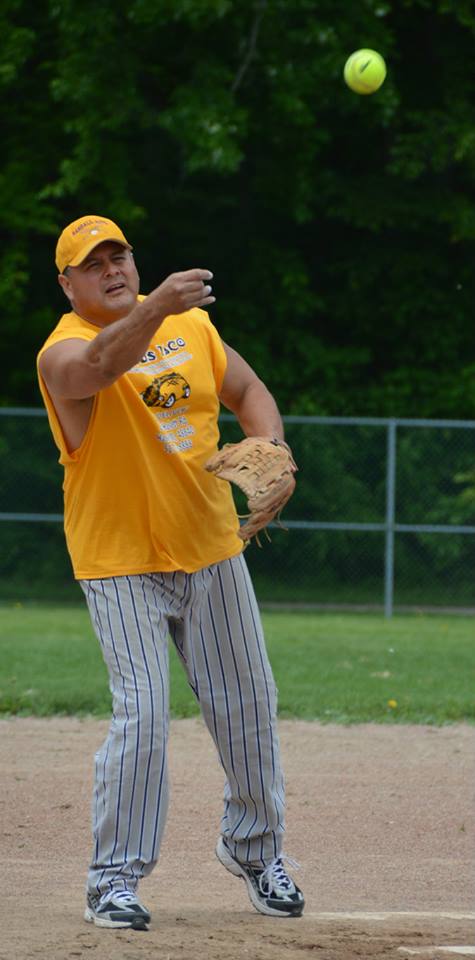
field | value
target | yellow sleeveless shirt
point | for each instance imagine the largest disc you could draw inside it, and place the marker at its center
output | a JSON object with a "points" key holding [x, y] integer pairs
{"points": [[136, 496]]}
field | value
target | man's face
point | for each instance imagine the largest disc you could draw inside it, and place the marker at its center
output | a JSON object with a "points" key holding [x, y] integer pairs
{"points": [[104, 287]]}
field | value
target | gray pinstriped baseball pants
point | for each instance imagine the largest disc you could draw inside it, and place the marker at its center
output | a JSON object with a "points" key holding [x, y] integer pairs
{"points": [[213, 620]]}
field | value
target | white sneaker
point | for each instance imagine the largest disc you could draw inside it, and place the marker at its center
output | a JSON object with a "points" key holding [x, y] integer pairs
{"points": [[121, 908], [270, 888]]}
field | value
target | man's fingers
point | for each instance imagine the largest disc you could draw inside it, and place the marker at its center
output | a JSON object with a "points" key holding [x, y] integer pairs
{"points": [[199, 299], [198, 286], [202, 274], [201, 293], [187, 289], [197, 274], [194, 281]]}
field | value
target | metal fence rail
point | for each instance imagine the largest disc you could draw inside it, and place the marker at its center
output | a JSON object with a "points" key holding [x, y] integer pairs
{"points": [[358, 460], [390, 527]]}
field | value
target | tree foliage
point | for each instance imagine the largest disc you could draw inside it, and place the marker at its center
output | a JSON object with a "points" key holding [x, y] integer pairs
{"points": [[340, 229]]}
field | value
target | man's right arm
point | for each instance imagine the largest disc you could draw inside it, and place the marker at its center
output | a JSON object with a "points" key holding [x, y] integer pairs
{"points": [[75, 369]]}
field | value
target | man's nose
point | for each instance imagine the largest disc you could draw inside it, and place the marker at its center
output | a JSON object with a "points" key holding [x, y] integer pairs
{"points": [[111, 268]]}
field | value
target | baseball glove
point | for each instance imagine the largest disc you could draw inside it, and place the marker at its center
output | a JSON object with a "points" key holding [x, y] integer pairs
{"points": [[264, 470]]}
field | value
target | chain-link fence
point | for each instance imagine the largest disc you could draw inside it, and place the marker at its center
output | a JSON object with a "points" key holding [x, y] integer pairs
{"points": [[383, 516]]}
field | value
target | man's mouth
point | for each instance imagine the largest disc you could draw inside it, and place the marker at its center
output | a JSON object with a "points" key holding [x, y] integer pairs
{"points": [[115, 287]]}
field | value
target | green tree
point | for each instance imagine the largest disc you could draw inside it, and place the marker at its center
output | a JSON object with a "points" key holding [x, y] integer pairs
{"points": [[341, 229]]}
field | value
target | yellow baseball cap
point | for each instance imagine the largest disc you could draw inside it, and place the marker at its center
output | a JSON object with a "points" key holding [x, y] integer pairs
{"points": [[81, 236]]}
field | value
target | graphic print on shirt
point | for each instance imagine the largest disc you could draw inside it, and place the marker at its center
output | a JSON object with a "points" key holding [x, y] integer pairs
{"points": [[175, 430], [164, 390]]}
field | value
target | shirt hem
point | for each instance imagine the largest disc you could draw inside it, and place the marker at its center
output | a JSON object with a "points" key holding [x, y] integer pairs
{"points": [[152, 568]]}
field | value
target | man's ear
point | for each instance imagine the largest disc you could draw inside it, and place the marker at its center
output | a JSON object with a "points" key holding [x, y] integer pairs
{"points": [[65, 285]]}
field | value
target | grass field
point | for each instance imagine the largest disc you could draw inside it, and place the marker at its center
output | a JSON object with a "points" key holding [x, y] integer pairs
{"points": [[328, 667]]}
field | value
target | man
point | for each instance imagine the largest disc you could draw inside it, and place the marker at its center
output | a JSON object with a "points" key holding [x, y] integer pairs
{"points": [[132, 387]]}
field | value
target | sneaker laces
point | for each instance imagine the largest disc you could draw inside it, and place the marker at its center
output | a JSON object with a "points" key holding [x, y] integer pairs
{"points": [[124, 896], [275, 878]]}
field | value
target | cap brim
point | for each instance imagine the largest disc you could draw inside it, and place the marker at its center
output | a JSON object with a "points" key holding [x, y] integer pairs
{"points": [[76, 261]]}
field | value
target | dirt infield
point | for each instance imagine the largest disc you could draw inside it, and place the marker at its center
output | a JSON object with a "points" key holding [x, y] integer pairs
{"points": [[381, 819]]}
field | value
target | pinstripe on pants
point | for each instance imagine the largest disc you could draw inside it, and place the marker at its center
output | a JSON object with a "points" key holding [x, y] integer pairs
{"points": [[213, 620]]}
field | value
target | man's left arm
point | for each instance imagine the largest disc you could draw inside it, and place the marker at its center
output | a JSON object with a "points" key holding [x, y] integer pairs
{"points": [[248, 398]]}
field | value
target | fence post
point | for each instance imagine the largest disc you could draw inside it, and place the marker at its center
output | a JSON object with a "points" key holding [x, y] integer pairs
{"points": [[390, 517]]}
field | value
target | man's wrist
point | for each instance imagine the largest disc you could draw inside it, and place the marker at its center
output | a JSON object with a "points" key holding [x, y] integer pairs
{"points": [[149, 310]]}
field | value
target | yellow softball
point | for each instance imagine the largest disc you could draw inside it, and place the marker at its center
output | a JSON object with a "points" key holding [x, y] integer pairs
{"points": [[365, 71]]}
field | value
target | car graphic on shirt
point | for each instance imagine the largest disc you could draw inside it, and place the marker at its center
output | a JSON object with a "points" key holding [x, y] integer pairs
{"points": [[166, 390]]}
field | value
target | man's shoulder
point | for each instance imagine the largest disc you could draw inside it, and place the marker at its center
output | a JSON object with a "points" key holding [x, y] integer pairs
{"points": [[69, 326], [195, 316], [189, 323]]}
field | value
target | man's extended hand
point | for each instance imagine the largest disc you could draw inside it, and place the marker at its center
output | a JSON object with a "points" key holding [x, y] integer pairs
{"points": [[182, 291]]}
